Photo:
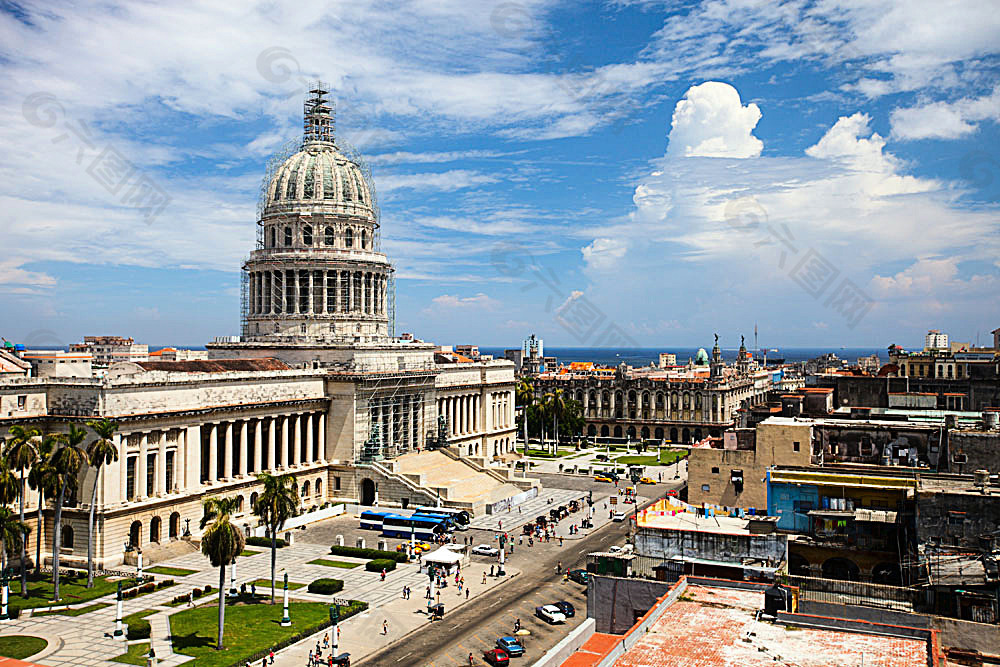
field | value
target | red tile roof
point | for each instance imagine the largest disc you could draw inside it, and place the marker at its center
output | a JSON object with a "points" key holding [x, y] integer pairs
{"points": [[214, 365]]}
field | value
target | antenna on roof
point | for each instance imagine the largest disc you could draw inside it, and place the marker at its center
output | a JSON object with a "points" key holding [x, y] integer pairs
{"points": [[318, 116]]}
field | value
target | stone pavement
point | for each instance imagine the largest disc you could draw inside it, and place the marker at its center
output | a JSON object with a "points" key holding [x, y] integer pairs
{"points": [[87, 640], [521, 514]]}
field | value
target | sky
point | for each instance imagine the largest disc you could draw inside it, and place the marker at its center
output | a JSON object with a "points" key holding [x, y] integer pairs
{"points": [[619, 173]]}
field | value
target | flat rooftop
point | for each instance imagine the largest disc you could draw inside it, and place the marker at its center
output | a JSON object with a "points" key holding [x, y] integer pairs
{"points": [[665, 516], [716, 626]]}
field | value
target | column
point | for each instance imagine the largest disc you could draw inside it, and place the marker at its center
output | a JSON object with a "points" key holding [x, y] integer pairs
{"points": [[350, 291], [141, 489], [121, 442], [258, 444], [284, 441], [161, 466], [323, 291], [309, 438], [244, 431], [297, 442], [271, 442], [391, 440], [227, 453], [321, 454], [268, 301]]}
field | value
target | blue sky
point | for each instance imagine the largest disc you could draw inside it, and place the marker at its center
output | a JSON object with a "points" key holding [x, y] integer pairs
{"points": [[599, 173]]}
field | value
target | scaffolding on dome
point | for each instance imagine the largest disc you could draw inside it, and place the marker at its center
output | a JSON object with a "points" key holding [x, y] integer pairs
{"points": [[396, 415]]}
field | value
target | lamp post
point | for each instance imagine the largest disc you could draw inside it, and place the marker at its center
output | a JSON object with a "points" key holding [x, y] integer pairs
{"points": [[503, 547], [285, 619], [138, 551], [151, 657], [635, 474], [4, 594], [119, 632], [431, 572]]}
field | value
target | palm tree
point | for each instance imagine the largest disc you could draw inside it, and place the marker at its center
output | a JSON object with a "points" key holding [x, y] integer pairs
{"points": [[63, 473], [22, 452], [38, 478], [8, 493], [222, 543], [555, 403], [524, 395], [12, 533], [100, 452], [275, 505]]}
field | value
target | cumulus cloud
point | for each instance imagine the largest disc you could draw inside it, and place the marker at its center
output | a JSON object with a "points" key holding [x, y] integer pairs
{"points": [[603, 253], [846, 141], [478, 301], [711, 121], [945, 120]]}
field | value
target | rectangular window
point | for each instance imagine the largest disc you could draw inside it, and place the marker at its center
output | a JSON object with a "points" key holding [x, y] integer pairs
{"points": [[704, 487], [715, 470], [956, 518], [170, 470], [795, 445], [336, 483], [22, 402], [150, 474], [130, 478]]}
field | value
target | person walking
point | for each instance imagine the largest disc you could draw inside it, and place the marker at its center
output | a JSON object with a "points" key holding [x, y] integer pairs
{"points": [[466, 593], [383, 574], [471, 661], [404, 592], [385, 627], [270, 657], [484, 576]]}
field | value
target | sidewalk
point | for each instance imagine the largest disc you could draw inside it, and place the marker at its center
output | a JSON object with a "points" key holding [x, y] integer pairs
{"points": [[361, 635]]}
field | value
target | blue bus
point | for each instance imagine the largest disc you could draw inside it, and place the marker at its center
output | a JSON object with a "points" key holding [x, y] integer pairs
{"points": [[372, 520], [460, 517], [449, 522], [425, 528]]}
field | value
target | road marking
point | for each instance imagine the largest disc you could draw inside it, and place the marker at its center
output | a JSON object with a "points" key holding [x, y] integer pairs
{"points": [[405, 657]]}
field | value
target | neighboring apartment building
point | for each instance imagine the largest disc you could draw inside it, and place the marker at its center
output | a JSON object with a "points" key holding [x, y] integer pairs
{"points": [[108, 350]]}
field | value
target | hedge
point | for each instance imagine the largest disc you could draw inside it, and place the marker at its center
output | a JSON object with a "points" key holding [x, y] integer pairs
{"points": [[138, 629], [379, 564], [356, 607], [327, 586], [357, 552], [265, 542]]}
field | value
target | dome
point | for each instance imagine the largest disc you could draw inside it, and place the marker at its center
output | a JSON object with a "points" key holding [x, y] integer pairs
{"points": [[320, 174], [701, 359]]}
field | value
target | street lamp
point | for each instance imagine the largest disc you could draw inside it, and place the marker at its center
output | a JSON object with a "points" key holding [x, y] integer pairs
{"points": [[635, 474], [285, 619]]}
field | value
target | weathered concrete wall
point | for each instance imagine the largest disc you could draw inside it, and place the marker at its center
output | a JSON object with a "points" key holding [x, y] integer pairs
{"points": [[615, 604], [969, 451], [724, 547], [956, 518]]}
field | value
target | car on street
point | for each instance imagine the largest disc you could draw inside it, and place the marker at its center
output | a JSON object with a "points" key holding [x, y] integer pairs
{"points": [[672, 493], [602, 478], [579, 576], [485, 550], [568, 610], [511, 646], [497, 657], [618, 516], [418, 547], [647, 480], [550, 614]]}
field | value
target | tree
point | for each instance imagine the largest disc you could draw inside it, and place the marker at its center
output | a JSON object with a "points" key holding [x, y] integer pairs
{"points": [[38, 478], [555, 405], [524, 396], [101, 452], [22, 453], [275, 505], [62, 475], [222, 542], [12, 532]]}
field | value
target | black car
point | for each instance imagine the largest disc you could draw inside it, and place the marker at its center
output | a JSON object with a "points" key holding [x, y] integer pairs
{"points": [[579, 576], [566, 608]]}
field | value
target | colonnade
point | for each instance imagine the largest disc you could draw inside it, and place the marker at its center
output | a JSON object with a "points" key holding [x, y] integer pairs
{"points": [[400, 419], [151, 462], [466, 416], [311, 292]]}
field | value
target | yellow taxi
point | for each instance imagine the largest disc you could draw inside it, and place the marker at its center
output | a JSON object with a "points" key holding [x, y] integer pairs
{"points": [[647, 480], [418, 547], [602, 478]]}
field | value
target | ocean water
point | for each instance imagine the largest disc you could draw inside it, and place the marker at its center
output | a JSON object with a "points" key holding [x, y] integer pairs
{"points": [[641, 356]]}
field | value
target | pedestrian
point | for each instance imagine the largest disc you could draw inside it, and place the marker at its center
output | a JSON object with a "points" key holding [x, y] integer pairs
{"points": [[491, 570], [427, 595], [271, 657], [385, 627], [560, 540], [404, 592], [191, 599], [253, 590], [263, 662], [311, 661], [466, 593], [326, 640], [471, 661], [383, 574], [559, 568], [484, 576]]}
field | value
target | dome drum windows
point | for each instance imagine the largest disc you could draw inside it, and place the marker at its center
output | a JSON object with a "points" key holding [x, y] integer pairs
{"points": [[307, 235], [288, 237], [349, 238], [329, 237]]}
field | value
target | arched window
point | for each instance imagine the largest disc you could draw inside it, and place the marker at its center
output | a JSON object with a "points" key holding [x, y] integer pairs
{"points": [[307, 235], [328, 236], [305, 489], [318, 487], [364, 238], [288, 236], [67, 537], [349, 238], [274, 237]]}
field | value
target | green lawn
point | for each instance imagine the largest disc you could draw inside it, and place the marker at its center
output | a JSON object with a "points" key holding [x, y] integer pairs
{"points": [[71, 590], [249, 552], [249, 628], [74, 612], [170, 571], [333, 563], [136, 654], [665, 457], [21, 646], [266, 583], [541, 453]]}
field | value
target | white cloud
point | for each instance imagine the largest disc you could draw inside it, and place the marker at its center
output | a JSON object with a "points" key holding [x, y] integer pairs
{"points": [[945, 120], [603, 253], [846, 141], [478, 301], [711, 121], [446, 181]]}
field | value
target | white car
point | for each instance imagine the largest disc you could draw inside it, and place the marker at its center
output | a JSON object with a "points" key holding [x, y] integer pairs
{"points": [[618, 516], [550, 614], [485, 550]]}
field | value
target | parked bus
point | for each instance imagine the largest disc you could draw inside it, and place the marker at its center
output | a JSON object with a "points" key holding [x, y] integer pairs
{"points": [[425, 528], [447, 521], [372, 520], [461, 517]]}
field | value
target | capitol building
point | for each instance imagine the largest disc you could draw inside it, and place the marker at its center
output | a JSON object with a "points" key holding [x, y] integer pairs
{"points": [[317, 385]]}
